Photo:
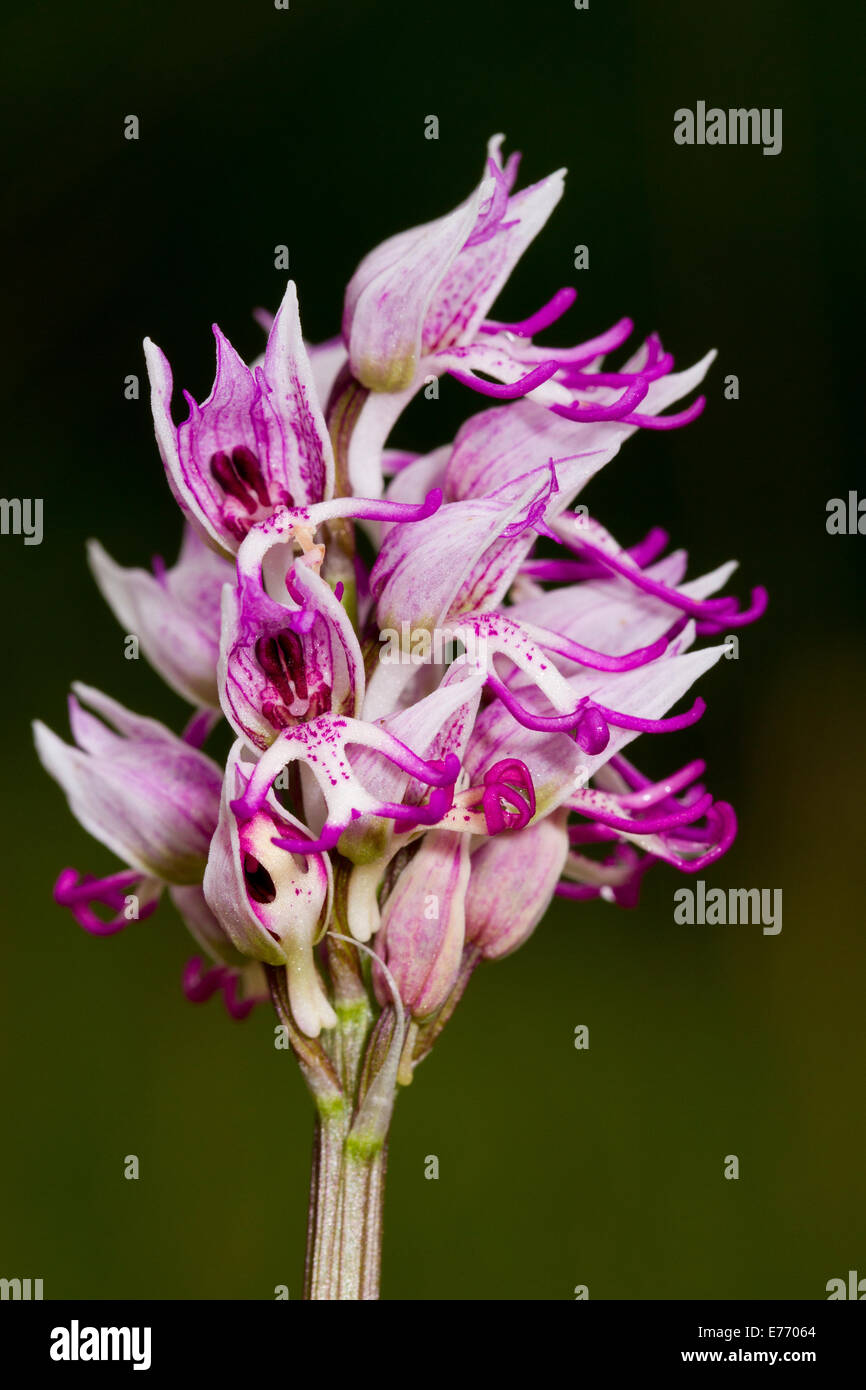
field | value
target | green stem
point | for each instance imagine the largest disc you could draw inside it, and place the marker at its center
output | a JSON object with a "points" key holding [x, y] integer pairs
{"points": [[323, 1220], [361, 1225], [344, 1238], [344, 1234]]}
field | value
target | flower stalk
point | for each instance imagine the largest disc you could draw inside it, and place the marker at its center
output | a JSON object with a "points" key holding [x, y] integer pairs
{"points": [[347, 1187], [344, 1233]]}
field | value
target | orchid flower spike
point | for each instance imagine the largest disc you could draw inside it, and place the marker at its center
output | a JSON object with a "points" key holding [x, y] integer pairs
{"points": [[430, 667]]}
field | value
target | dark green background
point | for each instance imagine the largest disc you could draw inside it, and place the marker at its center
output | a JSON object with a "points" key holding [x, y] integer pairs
{"points": [[557, 1167]]}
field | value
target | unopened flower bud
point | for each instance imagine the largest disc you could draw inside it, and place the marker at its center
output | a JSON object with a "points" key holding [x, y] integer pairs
{"points": [[421, 936], [512, 879]]}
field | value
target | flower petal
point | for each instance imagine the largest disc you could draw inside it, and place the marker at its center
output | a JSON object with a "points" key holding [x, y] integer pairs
{"points": [[609, 612], [284, 663], [142, 792], [321, 745], [462, 558], [557, 764], [503, 444], [175, 615], [257, 443], [390, 294]]}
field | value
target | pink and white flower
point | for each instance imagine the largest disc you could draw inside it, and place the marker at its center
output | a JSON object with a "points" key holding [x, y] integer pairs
{"points": [[428, 809]]}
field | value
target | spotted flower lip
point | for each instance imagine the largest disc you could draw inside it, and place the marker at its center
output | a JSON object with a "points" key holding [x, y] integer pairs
{"points": [[283, 525], [143, 792], [173, 612], [272, 905], [504, 800], [430, 287], [437, 728], [258, 442], [321, 744], [605, 606]]}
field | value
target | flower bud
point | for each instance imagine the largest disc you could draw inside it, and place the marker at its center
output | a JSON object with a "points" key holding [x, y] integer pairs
{"points": [[512, 879], [421, 936]]}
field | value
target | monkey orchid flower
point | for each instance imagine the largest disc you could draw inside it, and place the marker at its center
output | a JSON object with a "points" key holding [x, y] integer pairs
{"points": [[145, 793], [257, 443], [426, 289], [432, 667], [274, 906], [417, 308]]}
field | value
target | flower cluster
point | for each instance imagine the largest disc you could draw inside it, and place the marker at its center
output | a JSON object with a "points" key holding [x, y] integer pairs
{"points": [[428, 807]]}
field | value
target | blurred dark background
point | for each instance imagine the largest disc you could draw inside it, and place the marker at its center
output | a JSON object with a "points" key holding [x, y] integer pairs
{"points": [[306, 127]]}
